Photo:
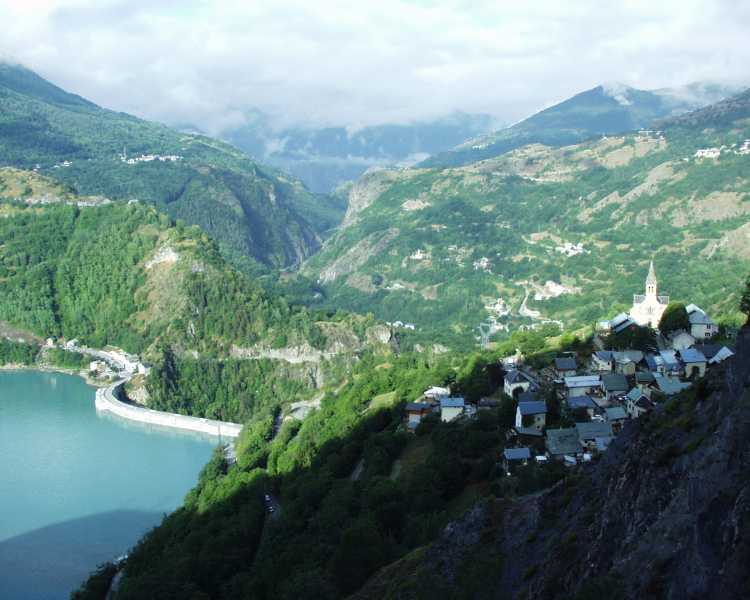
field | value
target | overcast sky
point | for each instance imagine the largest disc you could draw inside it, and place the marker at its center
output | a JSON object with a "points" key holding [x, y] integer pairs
{"points": [[357, 63]]}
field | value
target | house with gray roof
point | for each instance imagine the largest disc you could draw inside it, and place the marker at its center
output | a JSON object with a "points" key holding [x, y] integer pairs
{"points": [[589, 433], [565, 366], [517, 381], [562, 442], [531, 414], [669, 385], [670, 363], [694, 361], [714, 353], [513, 457], [451, 408], [581, 385], [582, 403], [616, 416], [679, 340], [701, 325], [638, 404], [602, 361], [614, 384]]}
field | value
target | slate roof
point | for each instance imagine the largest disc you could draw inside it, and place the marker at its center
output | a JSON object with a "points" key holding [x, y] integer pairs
{"points": [[566, 363], [700, 318], [528, 396], [708, 350], [615, 413], [563, 441], [517, 454], [456, 402], [516, 376], [625, 356], [582, 381], [615, 382], [691, 355], [581, 402], [644, 377], [634, 394], [537, 407], [669, 385], [417, 406], [670, 359], [594, 429], [604, 355]]}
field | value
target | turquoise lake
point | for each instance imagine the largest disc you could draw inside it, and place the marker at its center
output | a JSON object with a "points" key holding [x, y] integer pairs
{"points": [[79, 488]]}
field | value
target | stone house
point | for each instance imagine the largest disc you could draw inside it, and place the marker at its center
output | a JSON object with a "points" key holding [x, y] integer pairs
{"points": [[516, 381], [701, 325], [565, 366], [451, 408], [562, 442], [513, 457], [694, 361], [531, 414], [582, 385]]}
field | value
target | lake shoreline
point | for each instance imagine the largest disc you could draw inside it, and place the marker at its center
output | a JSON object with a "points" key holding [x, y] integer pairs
{"points": [[106, 400]]}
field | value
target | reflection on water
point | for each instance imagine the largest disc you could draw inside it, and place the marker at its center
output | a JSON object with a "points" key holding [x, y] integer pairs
{"points": [[46, 562], [66, 476], [161, 430]]}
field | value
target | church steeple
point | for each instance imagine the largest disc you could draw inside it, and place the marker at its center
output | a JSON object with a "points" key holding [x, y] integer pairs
{"points": [[651, 284]]}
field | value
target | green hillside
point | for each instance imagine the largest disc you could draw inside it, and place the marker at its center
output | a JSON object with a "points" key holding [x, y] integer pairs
{"points": [[603, 110], [126, 275], [436, 247], [254, 212]]}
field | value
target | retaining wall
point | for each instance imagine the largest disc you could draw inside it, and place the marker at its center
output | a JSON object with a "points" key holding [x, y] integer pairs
{"points": [[106, 400]]}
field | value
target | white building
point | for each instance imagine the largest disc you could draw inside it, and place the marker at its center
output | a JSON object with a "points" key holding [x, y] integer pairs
{"points": [[649, 307]]}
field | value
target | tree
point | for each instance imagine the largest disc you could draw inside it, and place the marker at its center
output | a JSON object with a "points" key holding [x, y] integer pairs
{"points": [[675, 317], [745, 299]]}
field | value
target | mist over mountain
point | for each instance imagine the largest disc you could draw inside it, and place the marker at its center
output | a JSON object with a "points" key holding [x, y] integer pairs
{"points": [[326, 157], [603, 110]]}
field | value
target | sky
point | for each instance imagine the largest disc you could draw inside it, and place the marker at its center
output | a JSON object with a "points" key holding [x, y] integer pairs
{"points": [[330, 62]]}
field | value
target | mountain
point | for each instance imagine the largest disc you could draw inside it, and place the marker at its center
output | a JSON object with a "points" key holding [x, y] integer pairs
{"points": [[603, 110], [664, 514], [548, 234], [253, 211], [364, 510], [124, 274], [324, 158]]}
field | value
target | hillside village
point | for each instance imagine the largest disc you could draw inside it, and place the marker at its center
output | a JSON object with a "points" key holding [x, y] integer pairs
{"points": [[571, 410]]}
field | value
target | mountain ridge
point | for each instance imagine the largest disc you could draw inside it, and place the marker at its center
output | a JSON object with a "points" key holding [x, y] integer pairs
{"points": [[254, 212], [602, 110]]}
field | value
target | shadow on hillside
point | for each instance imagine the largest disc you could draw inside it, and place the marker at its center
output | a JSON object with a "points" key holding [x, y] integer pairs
{"points": [[52, 561]]}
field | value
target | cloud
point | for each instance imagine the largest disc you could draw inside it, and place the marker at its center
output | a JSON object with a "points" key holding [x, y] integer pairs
{"points": [[332, 62]]}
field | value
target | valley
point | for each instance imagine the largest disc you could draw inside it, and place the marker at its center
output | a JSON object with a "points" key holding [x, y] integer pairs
{"points": [[439, 374]]}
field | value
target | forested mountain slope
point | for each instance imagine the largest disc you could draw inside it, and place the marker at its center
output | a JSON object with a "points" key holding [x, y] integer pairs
{"points": [[603, 110], [570, 229], [253, 212], [364, 508], [664, 514], [126, 275]]}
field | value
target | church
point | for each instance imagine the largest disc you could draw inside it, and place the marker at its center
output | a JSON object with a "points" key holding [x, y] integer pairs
{"points": [[649, 307]]}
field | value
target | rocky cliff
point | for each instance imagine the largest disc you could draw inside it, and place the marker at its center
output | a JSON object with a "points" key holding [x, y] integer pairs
{"points": [[664, 514]]}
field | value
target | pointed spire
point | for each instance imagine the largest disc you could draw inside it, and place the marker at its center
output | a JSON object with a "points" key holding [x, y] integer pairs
{"points": [[651, 278]]}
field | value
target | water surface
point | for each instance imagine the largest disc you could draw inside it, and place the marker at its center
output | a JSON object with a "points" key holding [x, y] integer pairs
{"points": [[78, 488]]}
